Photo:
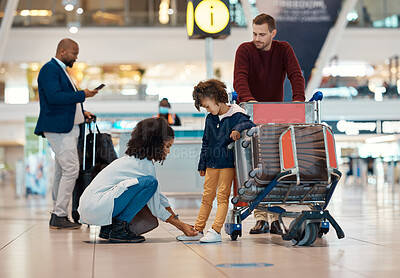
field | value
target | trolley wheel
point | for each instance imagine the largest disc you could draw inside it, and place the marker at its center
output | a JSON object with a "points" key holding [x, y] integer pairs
{"points": [[235, 235], [308, 236], [322, 231]]}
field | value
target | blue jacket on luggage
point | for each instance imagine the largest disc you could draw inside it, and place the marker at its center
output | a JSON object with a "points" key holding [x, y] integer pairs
{"points": [[58, 100], [214, 150]]}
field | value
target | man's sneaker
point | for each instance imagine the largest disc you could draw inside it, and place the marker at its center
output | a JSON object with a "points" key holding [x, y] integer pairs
{"points": [[211, 236], [190, 238], [57, 222], [276, 228], [105, 231], [261, 227]]}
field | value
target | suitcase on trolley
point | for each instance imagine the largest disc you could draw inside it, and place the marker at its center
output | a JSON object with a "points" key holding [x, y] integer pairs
{"points": [[310, 151], [289, 164], [291, 161], [296, 152]]}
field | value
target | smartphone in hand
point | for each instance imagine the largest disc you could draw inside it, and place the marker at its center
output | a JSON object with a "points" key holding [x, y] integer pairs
{"points": [[101, 86]]}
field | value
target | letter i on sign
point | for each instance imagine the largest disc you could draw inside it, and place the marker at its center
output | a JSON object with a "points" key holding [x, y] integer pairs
{"points": [[212, 16]]}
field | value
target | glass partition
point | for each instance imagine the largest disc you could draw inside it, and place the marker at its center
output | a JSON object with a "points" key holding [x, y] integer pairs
{"points": [[377, 14], [128, 13]]}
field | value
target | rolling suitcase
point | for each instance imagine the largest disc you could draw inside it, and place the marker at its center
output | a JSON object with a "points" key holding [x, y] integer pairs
{"points": [[95, 151], [86, 170]]}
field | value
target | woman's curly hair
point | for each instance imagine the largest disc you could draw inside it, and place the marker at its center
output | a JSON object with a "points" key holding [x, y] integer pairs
{"points": [[148, 139], [212, 89]]}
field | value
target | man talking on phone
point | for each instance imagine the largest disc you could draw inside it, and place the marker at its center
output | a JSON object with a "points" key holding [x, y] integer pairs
{"points": [[61, 113]]}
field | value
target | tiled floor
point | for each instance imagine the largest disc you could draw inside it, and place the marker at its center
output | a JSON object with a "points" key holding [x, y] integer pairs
{"points": [[369, 215]]}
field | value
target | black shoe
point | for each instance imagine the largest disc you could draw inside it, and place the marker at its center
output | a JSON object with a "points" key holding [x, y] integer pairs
{"points": [[57, 222], [120, 233], [276, 228], [75, 216], [52, 219], [261, 227], [105, 231]]}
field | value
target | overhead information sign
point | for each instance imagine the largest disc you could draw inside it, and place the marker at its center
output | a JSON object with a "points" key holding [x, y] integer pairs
{"points": [[208, 18]]}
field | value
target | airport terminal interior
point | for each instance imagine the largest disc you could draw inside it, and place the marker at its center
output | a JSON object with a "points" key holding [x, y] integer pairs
{"points": [[145, 51]]}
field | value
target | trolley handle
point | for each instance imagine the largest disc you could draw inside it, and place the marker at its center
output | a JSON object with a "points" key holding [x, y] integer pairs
{"points": [[317, 97]]}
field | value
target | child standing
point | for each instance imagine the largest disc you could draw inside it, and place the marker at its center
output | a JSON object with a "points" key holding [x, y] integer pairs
{"points": [[224, 123]]}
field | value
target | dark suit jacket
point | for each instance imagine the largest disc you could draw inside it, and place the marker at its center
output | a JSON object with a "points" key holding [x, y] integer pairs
{"points": [[58, 100]]}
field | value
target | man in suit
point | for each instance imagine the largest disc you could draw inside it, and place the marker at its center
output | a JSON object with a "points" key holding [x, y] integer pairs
{"points": [[61, 112]]}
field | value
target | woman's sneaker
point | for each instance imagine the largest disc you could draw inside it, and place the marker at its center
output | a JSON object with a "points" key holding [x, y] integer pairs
{"points": [[211, 236], [190, 238]]}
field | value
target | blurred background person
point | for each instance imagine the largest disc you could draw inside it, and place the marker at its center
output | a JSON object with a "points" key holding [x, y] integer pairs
{"points": [[164, 111]]}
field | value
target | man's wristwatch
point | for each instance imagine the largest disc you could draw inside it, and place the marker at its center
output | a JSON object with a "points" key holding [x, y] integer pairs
{"points": [[176, 216]]}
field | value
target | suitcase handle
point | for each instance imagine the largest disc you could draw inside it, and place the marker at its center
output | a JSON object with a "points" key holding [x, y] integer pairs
{"points": [[87, 126]]}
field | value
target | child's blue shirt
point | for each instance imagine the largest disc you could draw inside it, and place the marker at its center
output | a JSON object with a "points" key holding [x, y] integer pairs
{"points": [[214, 150]]}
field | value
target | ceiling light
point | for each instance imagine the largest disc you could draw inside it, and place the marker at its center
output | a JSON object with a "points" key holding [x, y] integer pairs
{"points": [[69, 7], [35, 13], [24, 13], [163, 16], [34, 67], [79, 11], [73, 29], [125, 67]]}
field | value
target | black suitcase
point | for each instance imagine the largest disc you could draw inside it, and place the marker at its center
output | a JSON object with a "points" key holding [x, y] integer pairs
{"points": [[95, 152]]}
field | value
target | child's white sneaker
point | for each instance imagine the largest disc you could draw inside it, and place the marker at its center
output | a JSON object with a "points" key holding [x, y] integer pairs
{"points": [[190, 238], [211, 236]]}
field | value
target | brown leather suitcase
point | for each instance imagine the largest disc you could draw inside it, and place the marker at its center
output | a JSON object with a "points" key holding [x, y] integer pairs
{"points": [[310, 146], [272, 146], [143, 222]]}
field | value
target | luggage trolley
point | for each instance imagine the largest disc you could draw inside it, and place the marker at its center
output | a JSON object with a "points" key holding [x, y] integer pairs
{"points": [[289, 158]]}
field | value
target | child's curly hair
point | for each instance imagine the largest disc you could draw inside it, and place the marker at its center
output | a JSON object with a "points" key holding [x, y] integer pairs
{"points": [[212, 89], [148, 139]]}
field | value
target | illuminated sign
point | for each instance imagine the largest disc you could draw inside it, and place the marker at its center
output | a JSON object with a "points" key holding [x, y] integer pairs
{"points": [[190, 18], [208, 18], [391, 127], [354, 128], [365, 127]]}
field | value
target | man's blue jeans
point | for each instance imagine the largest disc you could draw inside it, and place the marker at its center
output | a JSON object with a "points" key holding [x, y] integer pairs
{"points": [[134, 198]]}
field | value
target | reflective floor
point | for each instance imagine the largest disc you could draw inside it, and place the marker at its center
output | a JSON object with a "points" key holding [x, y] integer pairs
{"points": [[368, 213]]}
